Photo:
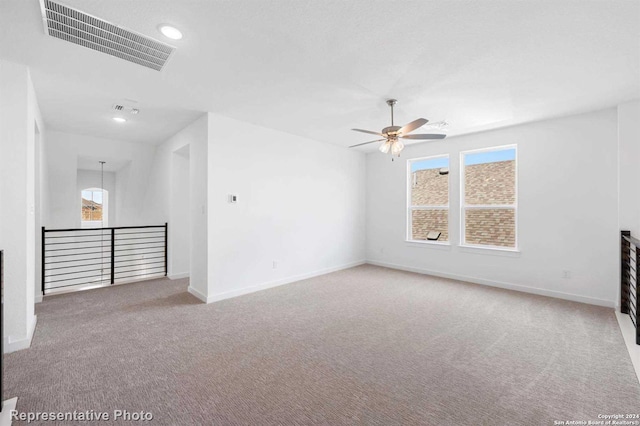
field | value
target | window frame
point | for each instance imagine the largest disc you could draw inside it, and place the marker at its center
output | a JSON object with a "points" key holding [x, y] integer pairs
{"points": [[410, 208], [105, 210], [464, 207]]}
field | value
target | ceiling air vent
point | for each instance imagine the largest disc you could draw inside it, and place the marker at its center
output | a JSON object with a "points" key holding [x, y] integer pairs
{"points": [[85, 30], [126, 108]]}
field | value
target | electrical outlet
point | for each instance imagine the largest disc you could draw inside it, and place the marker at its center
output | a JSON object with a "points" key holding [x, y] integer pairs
{"points": [[233, 198], [275, 264], [566, 274]]}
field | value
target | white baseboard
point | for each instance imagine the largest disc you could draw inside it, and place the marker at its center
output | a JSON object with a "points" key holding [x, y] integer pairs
{"points": [[38, 298], [7, 407], [24, 343], [178, 276], [500, 284], [197, 294], [270, 284], [629, 336]]}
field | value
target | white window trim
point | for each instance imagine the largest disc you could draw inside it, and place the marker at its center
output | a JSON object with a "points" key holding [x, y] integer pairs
{"points": [[490, 250], [463, 207], [105, 210], [410, 207], [437, 245]]}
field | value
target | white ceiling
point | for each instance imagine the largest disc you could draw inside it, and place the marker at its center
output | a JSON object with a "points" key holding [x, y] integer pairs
{"points": [[317, 69], [110, 164]]}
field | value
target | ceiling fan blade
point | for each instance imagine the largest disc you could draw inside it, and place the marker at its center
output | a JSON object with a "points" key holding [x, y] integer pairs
{"points": [[368, 131], [365, 143], [424, 136], [413, 125]]}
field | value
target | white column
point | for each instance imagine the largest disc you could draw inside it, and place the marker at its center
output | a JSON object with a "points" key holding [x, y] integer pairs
{"points": [[629, 166], [17, 202]]}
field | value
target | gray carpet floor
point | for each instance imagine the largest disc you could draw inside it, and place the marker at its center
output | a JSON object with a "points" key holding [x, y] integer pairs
{"points": [[367, 345]]}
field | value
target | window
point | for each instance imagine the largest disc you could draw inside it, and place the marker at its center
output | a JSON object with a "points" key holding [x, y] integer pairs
{"points": [[489, 198], [94, 207], [428, 199]]}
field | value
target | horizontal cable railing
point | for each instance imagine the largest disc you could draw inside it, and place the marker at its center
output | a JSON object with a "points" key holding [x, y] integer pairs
{"points": [[88, 257], [630, 258]]}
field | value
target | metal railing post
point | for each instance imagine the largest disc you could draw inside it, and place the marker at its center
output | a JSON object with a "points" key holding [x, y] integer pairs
{"points": [[113, 255], [42, 260], [166, 245], [637, 322]]}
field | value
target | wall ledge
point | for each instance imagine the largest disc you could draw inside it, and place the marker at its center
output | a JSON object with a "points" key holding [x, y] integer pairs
{"points": [[8, 406], [198, 295], [178, 276], [24, 343], [629, 336]]}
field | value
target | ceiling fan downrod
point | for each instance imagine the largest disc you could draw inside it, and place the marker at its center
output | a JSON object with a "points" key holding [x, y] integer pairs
{"points": [[391, 103]]}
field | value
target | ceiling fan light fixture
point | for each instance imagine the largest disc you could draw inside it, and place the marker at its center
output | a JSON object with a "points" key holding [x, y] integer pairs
{"points": [[397, 147], [385, 147]]}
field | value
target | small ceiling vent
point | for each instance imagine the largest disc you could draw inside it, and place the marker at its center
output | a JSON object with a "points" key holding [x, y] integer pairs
{"points": [[126, 108], [85, 30]]}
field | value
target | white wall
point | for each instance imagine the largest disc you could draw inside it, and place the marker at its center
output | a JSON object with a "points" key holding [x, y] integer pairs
{"points": [[301, 204], [567, 218], [45, 207], [19, 116], [166, 177], [629, 160], [40, 200], [199, 273], [62, 155], [180, 215]]}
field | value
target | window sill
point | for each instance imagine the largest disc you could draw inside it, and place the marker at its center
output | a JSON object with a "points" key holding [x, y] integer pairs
{"points": [[438, 245], [492, 251], [92, 224]]}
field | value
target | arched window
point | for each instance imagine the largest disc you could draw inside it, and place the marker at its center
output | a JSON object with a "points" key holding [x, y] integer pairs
{"points": [[95, 208]]}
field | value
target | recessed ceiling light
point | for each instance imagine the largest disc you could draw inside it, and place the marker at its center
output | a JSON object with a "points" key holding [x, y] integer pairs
{"points": [[171, 32], [119, 119]]}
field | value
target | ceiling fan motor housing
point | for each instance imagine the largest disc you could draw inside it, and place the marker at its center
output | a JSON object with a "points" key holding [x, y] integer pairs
{"points": [[391, 130]]}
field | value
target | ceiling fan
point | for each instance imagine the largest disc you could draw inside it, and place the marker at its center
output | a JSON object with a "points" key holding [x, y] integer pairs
{"points": [[392, 135]]}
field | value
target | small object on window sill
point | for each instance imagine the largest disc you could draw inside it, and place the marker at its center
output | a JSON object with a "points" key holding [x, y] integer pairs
{"points": [[433, 235]]}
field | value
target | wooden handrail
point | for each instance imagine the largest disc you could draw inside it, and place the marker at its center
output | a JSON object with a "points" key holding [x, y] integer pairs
{"points": [[632, 240]]}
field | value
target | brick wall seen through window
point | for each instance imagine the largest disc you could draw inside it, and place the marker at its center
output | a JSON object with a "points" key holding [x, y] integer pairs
{"points": [[489, 201], [428, 199]]}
